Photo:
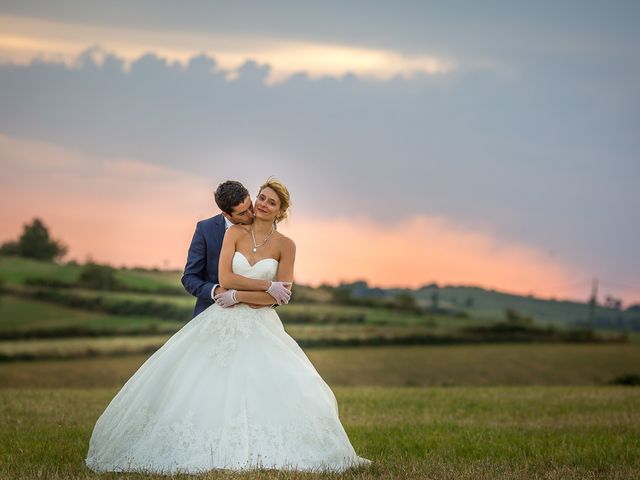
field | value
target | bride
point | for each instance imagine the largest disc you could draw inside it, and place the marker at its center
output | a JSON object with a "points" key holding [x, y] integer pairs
{"points": [[231, 389]]}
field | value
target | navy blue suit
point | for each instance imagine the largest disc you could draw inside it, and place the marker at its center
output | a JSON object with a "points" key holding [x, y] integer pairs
{"points": [[201, 270]]}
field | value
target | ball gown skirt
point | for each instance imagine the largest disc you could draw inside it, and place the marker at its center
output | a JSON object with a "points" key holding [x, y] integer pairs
{"points": [[230, 390]]}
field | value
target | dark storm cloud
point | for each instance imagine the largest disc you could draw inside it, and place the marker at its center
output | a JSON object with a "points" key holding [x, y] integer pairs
{"points": [[461, 27], [534, 159]]}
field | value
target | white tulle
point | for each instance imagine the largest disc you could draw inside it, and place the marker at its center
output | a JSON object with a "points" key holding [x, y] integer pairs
{"points": [[230, 390]]}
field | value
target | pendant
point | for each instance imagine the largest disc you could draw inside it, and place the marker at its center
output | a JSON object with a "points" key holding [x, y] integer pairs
{"points": [[255, 249]]}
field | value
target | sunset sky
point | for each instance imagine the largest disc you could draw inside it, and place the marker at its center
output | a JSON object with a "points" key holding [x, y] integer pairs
{"points": [[469, 143]]}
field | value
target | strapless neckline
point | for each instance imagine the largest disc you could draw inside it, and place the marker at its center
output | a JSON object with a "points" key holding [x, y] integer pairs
{"points": [[261, 260]]}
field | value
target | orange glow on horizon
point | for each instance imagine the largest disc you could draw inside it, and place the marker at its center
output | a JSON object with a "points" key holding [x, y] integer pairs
{"points": [[419, 251], [128, 212]]}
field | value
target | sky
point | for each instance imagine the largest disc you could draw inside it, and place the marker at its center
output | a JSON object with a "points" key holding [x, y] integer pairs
{"points": [[463, 143]]}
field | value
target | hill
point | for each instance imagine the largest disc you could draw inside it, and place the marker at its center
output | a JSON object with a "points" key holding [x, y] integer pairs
{"points": [[455, 302]]}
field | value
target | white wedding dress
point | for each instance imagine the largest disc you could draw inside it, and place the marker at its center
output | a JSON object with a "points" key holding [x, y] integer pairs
{"points": [[230, 390]]}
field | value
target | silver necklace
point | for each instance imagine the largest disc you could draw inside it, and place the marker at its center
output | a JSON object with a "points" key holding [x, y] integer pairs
{"points": [[255, 247]]}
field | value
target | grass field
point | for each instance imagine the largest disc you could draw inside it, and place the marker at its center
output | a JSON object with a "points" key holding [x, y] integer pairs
{"points": [[21, 315], [308, 336], [17, 310], [79, 347], [54, 348], [15, 270], [28, 318], [462, 365], [484, 411], [424, 433]]}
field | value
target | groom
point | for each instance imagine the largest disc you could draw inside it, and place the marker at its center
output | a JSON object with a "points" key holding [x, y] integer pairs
{"points": [[200, 276]]}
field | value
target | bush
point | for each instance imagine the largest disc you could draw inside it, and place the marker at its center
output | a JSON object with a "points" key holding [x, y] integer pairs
{"points": [[47, 282], [286, 317], [513, 317], [342, 296], [630, 379], [10, 248], [145, 308], [98, 277], [502, 328]]}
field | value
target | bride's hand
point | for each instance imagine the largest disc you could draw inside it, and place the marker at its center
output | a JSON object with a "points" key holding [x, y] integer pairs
{"points": [[226, 299], [219, 290], [280, 291]]}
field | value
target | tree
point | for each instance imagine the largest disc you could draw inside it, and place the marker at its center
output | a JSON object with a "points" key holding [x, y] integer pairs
{"points": [[35, 242], [614, 303]]}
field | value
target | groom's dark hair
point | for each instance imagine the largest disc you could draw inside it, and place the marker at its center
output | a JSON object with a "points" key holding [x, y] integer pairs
{"points": [[230, 194]]}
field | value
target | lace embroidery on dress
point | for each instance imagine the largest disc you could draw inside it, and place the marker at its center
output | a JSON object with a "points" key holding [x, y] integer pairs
{"points": [[227, 332], [242, 443]]}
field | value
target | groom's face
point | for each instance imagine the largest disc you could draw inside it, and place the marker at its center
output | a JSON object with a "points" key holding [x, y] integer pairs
{"points": [[242, 213]]}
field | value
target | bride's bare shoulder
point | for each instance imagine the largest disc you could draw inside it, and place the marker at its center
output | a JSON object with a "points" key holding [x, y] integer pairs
{"points": [[237, 229], [286, 244]]}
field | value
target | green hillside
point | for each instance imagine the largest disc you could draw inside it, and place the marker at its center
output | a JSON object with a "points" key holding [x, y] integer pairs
{"points": [[456, 303], [491, 304], [16, 270]]}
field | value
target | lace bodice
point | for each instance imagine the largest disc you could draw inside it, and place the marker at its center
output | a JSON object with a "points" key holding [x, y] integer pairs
{"points": [[264, 269]]}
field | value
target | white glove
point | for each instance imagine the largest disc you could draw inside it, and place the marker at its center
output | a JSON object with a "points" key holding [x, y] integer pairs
{"points": [[280, 292], [226, 299]]}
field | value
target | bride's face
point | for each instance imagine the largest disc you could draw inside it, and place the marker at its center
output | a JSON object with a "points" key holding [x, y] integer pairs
{"points": [[267, 204]]}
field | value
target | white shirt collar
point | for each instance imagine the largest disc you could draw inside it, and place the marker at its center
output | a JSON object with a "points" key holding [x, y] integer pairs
{"points": [[227, 223]]}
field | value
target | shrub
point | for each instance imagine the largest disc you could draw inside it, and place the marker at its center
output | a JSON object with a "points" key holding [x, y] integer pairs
{"points": [[99, 277], [10, 248], [286, 317], [515, 318], [145, 308], [630, 379], [47, 282]]}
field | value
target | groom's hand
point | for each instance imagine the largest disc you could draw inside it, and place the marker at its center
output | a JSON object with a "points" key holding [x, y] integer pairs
{"points": [[280, 291]]}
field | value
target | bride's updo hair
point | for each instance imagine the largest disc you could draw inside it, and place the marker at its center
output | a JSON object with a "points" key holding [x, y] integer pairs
{"points": [[283, 195]]}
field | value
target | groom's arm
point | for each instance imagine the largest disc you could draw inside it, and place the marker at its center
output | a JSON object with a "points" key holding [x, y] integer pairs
{"points": [[194, 279]]}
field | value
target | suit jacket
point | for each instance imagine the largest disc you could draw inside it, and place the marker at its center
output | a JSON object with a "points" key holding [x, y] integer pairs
{"points": [[201, 270]]}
